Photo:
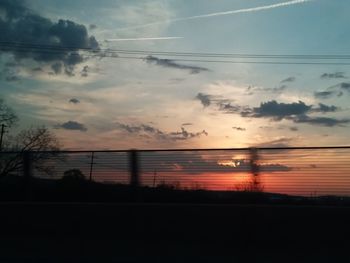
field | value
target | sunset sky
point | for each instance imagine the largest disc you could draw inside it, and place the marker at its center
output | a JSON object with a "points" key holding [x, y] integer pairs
{"points": [[98, 100]]}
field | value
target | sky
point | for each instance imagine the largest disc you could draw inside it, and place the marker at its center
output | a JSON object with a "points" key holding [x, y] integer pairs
{"points": [[100, 100]]}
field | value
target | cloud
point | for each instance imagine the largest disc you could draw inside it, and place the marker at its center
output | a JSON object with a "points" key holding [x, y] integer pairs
{"points": [[197, 163], [92, 27], [142, 39], [72, 125], [34, 32], [336, 90], [229, 108], [290, 79], [278, 143], [335, 75], [324, 94], [85, 71], [230, 12], [344, 86], [74, 101], [321, 121], [298, 112], [187, 124], [239, 128], [277, 111], [57, 67], [168, 63], [9, 72], [251, 90], [325, 108], [205, 99], [145, 129], [294, 129]]}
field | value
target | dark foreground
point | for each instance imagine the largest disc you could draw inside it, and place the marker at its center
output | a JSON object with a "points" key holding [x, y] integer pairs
{"points": [[172, 233]]}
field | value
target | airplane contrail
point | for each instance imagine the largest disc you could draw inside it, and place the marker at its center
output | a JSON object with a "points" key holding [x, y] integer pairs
{"points": [[231, 12], [141, 39]]}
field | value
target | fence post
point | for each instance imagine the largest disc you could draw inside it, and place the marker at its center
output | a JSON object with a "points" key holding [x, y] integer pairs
{"points": [[255, 169], [27, 174], [91, 165], [134, 168]]}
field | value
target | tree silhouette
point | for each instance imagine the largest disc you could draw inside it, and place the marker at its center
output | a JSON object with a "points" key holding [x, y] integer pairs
{"points": [[36, 140], [42, 145], [7, 115], [73, 175]]}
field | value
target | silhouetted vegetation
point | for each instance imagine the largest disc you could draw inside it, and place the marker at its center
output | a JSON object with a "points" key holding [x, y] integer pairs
{"points": [[35, 140], [73, 175], [73, 187]]}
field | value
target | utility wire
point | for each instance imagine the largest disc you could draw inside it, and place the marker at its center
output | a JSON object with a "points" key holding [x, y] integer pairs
{"points": [[170, 53], [114, 53]]}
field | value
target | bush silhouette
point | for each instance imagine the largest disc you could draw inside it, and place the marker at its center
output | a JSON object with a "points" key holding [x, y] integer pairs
{"points": [[73, 176]]}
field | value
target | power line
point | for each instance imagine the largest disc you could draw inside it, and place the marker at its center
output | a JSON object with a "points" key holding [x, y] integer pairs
{"points": [[171, 53], [114, 53]]}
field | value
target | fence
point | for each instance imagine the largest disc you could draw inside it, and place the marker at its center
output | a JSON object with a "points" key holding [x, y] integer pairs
{"points": [[311, 171]]}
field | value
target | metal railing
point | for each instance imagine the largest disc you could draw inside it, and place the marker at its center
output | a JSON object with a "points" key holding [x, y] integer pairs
{"points": [[304, 171]]}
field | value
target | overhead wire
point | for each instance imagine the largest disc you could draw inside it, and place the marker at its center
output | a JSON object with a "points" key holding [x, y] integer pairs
{"points": [[277, 59]]}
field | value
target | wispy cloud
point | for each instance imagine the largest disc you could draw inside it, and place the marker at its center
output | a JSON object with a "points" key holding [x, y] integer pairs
{"points": [[290, 79], [169, 63], [224, 13], [141, 39], [146, 130], [72, 125], [335, 75]]}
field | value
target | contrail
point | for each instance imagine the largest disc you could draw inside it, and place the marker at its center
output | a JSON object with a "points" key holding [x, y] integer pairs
{"points": [[142, 39], [231, 12]]}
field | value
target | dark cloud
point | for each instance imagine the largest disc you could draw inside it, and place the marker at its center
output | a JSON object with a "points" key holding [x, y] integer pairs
{"points": [[335, 75], [296, 112], [168, 63], [223, 104], [92, 26], [294, 128], [72, 125], [21, 25], [336, 90], [324, 94], [187, 124], [74, 101], [85, 71], [320, 121], [205, 99], [183, 134], [251, 90], [277, 111], [325, 108], [290, 79], [229, 108], [57, 67], [37, 69], [239, 128], [345, 86], [195, 163]]}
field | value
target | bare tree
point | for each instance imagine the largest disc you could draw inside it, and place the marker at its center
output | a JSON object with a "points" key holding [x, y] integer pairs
{"points": [[42, 145], [34, 140], [7, 115]]}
